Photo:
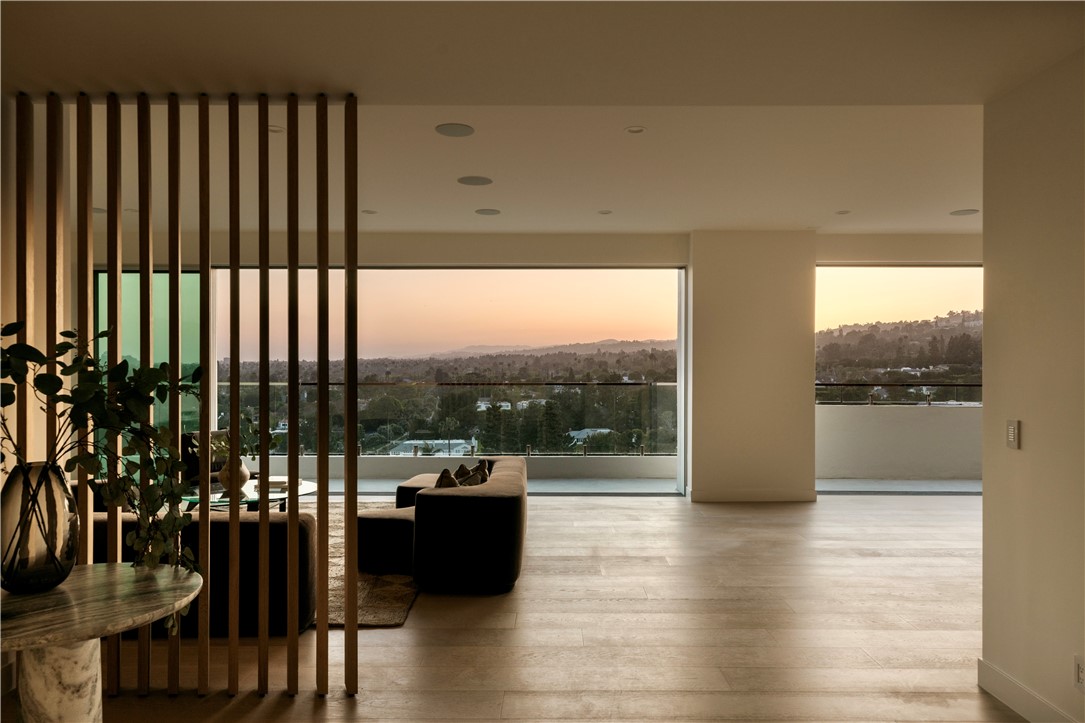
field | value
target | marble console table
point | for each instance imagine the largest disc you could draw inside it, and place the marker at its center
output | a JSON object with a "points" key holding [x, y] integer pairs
{"points": [[57, 632]]}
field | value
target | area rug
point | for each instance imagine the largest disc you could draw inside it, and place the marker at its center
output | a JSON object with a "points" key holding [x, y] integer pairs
{"points": [[383, 600]]}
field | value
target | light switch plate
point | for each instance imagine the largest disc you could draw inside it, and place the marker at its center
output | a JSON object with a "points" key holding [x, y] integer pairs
{"points": [[1013, 433]]}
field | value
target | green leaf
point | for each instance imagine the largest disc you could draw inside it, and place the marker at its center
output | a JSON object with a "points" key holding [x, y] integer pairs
{"points": [[13, 328], [197, 375], [69, 334], [84, 392], [7, 394], [48, 383], [120, 372], [63, 348], [26, 353], [17, 369]]}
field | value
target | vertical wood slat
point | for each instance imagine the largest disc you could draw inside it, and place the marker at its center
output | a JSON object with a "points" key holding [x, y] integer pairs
{"points": [[24, 238], [322, 393], [265, 397], [350, 382], [84, 293], [54, 210], [173, 211], [203, 643], [113, 275], [146, 319], [293, 395], [234, 143]]}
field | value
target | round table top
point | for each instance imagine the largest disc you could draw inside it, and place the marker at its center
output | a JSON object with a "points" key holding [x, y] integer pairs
{"points": [[95, 601]]}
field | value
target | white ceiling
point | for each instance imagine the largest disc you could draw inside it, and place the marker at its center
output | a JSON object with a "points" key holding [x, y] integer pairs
{"points": [[758, 115]]}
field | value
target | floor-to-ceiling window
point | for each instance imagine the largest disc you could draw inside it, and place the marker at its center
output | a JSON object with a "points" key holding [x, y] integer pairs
{"points": [[129, 331], [461, 362], [899, 370]]}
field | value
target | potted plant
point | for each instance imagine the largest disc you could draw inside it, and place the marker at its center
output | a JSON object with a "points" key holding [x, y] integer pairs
{"points": [[103, 424]]}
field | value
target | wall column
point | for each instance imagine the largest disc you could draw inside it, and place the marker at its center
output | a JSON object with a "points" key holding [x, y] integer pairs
{"points": [[1034, 353], [751, 366]]}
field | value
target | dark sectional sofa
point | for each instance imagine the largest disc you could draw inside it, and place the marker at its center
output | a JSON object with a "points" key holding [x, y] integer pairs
{"points": [[455, 539], [219, 578]]}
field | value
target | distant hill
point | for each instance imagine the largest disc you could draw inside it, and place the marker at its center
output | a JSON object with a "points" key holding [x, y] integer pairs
{"points": [[605, 345]]}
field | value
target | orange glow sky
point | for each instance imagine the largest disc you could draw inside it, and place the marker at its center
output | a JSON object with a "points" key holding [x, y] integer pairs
{"points": [[854, 295], [423, 311]]}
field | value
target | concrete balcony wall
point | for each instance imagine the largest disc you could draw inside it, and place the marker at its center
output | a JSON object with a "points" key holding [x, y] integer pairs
{"points": [[891, 442], [571, 467], [851, 442]]}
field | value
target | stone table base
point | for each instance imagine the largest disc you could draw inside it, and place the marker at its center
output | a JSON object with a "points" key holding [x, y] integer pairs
{"points": [[61, 683]]}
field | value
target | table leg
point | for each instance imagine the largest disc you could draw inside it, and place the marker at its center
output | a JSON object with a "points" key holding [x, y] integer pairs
{"points": [[61, 683]]}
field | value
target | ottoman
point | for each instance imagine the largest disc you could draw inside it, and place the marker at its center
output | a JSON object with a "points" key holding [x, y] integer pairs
{"points": [[386, 541]]}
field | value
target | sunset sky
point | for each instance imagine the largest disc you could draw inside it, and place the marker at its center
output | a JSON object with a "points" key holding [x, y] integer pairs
{"points": [[419, 312], [853, 295]]}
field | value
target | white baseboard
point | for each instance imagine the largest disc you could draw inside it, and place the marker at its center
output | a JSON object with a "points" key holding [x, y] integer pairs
{"points": [[1018, 696]]}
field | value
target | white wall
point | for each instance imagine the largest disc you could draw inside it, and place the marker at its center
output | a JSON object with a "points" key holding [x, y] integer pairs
{"points": [[1034, 354], [751, 366]]}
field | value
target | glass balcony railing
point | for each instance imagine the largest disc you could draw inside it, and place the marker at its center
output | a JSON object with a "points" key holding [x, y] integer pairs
{"points": [[903, 393], [467, 418]]}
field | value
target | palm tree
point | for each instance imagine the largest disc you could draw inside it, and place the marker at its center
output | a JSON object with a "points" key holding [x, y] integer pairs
{"points": [[447, 427]]}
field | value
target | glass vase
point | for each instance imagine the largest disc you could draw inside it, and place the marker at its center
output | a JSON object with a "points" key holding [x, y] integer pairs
{"points": [[39, 528]]}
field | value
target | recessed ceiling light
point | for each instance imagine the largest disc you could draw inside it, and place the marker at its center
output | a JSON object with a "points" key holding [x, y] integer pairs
{"points": [[474, 180], [454, 130], [605, 212], [843, 213], [635, 130], [275, 129], [368, 211], [487, 211], [964, 212], [98, 210]]}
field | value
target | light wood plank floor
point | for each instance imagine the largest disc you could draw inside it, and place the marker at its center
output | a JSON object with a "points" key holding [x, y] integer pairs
{"points": [[852, 608]]}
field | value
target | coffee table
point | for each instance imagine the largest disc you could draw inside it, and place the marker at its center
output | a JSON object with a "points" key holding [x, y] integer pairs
{"points": [[278, 491]]}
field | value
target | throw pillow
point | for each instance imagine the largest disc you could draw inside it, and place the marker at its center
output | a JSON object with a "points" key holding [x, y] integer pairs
{"points": [[471, 480], [482, 470], [462, 472], [446, 479]]}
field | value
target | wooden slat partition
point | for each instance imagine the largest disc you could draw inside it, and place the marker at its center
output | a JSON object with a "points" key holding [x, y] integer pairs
{"points": [[84, 291], [173, 211], [350, 397], [24, 238], [264, 560], [83, 304], [322, 404], [203, 643], [112, 660], [54, 219], [293, 395], [235, 391], [146, 317]]}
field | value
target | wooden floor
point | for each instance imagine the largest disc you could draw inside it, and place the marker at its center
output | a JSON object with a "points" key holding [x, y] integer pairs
{"points": [[851, 608]]}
